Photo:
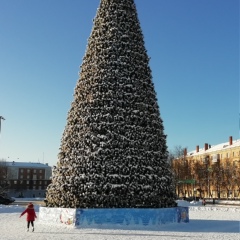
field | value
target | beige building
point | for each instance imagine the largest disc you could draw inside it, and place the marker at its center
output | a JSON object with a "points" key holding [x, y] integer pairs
{"points": [[28, 179], [209, 172]]}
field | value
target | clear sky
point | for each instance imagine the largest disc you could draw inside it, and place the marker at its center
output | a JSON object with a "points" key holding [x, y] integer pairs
{"points": [[194, 51]]}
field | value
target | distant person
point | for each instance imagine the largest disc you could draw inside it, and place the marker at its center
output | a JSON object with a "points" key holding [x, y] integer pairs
{"points": [[31, 215], [204, 202]]}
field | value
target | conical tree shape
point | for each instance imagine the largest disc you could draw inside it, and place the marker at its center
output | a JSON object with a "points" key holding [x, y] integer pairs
{"points": [[113, 150]]}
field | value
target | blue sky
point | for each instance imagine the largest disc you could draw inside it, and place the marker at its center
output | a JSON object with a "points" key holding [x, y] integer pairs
{"points": [[194, 51]]}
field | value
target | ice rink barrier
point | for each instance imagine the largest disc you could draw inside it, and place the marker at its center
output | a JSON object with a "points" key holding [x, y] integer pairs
{"points": [[113, 217]]}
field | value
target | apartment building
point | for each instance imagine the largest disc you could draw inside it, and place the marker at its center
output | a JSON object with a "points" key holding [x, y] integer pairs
{"points": [[28, 179], [209, 172]]}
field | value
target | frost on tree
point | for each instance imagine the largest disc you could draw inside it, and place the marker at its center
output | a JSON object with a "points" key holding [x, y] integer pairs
{"points": [[113, 150]]}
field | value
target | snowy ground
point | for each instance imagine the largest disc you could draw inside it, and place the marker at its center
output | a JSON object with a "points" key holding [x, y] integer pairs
{"points": [[209, 222]]}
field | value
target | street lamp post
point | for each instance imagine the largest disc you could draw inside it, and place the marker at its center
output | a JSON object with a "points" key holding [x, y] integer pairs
{"points": [[1, 118]]}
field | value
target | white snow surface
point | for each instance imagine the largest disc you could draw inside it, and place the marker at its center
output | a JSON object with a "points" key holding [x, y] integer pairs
{"points": [[206, 222]]}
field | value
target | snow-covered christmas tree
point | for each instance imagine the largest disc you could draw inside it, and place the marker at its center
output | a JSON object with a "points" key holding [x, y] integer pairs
{"points": [[113, 150]]}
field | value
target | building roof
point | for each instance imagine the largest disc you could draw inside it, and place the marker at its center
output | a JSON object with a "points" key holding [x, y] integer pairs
{"points": [[216, 148], [27, 164]]}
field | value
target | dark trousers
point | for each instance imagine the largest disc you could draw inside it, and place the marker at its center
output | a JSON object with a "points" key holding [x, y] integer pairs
{"points": [[28, 224]]}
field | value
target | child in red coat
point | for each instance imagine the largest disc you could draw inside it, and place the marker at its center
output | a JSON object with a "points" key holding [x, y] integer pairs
{"points": [[31, 215]]}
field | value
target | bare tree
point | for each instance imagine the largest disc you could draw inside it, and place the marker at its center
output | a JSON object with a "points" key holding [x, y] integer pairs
{"points": [[236, 180], [199, 170], [177, 152], [181, 168], [218, 177], [228, 172]]}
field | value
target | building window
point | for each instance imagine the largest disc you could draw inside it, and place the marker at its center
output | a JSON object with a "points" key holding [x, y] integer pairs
{"points": [[21, 176], [27, 182], [28, 176], [15, 181], [21, 170], [40, 171], [28, 171], [40, 177], [21, 182], [34, 182], [233, 154], [40, 182], [34, 171]]}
